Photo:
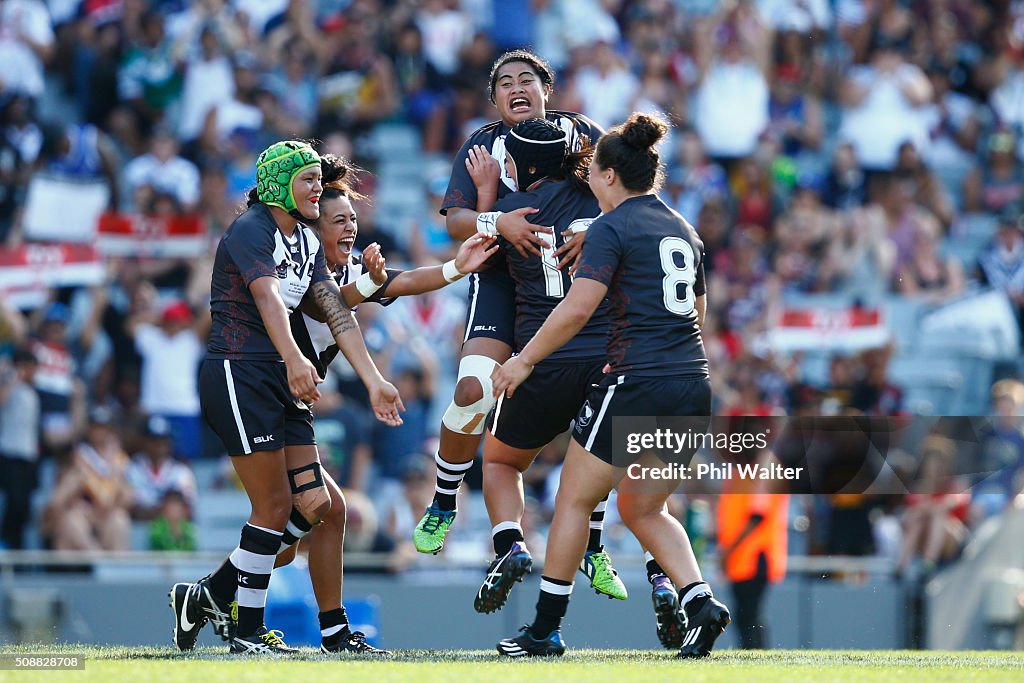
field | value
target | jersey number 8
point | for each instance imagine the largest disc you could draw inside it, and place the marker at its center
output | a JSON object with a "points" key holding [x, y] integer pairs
{"points": [[676, 275]]}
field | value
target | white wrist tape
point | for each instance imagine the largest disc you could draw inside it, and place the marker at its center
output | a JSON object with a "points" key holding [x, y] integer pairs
{"points": [[451, 272], [487, 223], [366, 285]]}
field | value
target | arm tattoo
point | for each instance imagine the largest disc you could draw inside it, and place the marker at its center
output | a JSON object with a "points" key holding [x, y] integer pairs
{"points": [[337, 316]]}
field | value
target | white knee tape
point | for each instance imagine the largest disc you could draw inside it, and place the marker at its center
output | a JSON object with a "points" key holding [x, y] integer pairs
{"points": [[470, 419]]}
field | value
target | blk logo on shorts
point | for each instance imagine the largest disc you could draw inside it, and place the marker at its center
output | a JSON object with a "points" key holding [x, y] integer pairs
{"points": [[485, 328], [263, 439]]}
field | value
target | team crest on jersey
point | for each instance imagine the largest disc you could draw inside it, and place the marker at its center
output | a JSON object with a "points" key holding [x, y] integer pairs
{"points": [[586, 414], [282, 269]]}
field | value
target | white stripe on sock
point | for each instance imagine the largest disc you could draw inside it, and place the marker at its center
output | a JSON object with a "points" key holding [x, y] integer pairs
{"points": [[252, 563], [698, 590], [252, 597], [453, 466], [331, 630], [554, 588], [506, 526]]}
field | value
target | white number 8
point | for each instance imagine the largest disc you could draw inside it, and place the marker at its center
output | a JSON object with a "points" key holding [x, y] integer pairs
{"points": [[676, 275]]}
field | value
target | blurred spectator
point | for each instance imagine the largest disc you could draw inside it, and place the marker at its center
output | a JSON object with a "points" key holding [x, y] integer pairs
{"points": [[154, 473], [743, 276], [81, 152], [904, 219], [605, 87], [364, 533], [19, 445], [150, 79], [294, 86], [97, 57], [420, 85], [998, 181], [171, 349], [794, 115], [925, 186], [802, 16], [837, 394], [927, 273], [882, 105], [88, 509], [60, 391], [845, 182], [403, 512], [1005, 98], [874, 393], [1001, 467], [731, 105], [695, 179], [26, 45], [343, 435], [209, 80], [429, 239], [173, 528], [804, 235], [395, 447], [1001, 265], [236, 111], [358, 85], [934, 527], [954, 127], [445, 31], [162, 170]]}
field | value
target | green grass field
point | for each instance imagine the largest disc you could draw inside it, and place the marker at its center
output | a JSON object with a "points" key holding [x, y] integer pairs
{"points": [[209, 665]]}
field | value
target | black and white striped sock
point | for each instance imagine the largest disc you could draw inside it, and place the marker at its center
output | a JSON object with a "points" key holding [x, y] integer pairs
{"points": [[597, 527], [551, 606], [254, 561], [693, 597], [449, 479], [504, 534], [333, 626], [296, 529]]}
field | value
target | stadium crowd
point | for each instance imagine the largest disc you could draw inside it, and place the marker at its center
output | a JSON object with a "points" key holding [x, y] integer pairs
{"points": [[840, 147]]}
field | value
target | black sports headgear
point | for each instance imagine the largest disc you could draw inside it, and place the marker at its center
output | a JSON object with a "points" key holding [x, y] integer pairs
{"points": [[538, 147]]}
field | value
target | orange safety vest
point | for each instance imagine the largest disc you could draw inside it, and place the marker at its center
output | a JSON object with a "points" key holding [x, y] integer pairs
{"points": [[734, 510]]}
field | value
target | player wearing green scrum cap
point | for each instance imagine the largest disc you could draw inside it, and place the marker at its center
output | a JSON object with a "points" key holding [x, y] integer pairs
{"points": [[256, 388], [277, 167]]}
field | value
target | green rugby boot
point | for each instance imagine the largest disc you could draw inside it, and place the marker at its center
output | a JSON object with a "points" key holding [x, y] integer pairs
{"points": [[429, 534], [603, 578]]}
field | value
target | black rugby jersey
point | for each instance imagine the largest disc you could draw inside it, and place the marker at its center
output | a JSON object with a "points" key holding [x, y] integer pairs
{"points": [[253, 247], [653, 263], [540, 285], [461, 191]]}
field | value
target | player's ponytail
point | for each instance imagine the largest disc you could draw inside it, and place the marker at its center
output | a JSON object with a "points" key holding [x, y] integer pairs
{"points": [[629, 149], [576, 165], [339, 176]]}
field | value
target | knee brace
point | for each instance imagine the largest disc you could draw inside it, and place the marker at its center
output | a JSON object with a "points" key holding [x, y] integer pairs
{"points": [[309, 493], [470, 419]]}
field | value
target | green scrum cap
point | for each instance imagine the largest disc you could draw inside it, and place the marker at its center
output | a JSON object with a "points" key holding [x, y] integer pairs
{"points": [[277, 167]]}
